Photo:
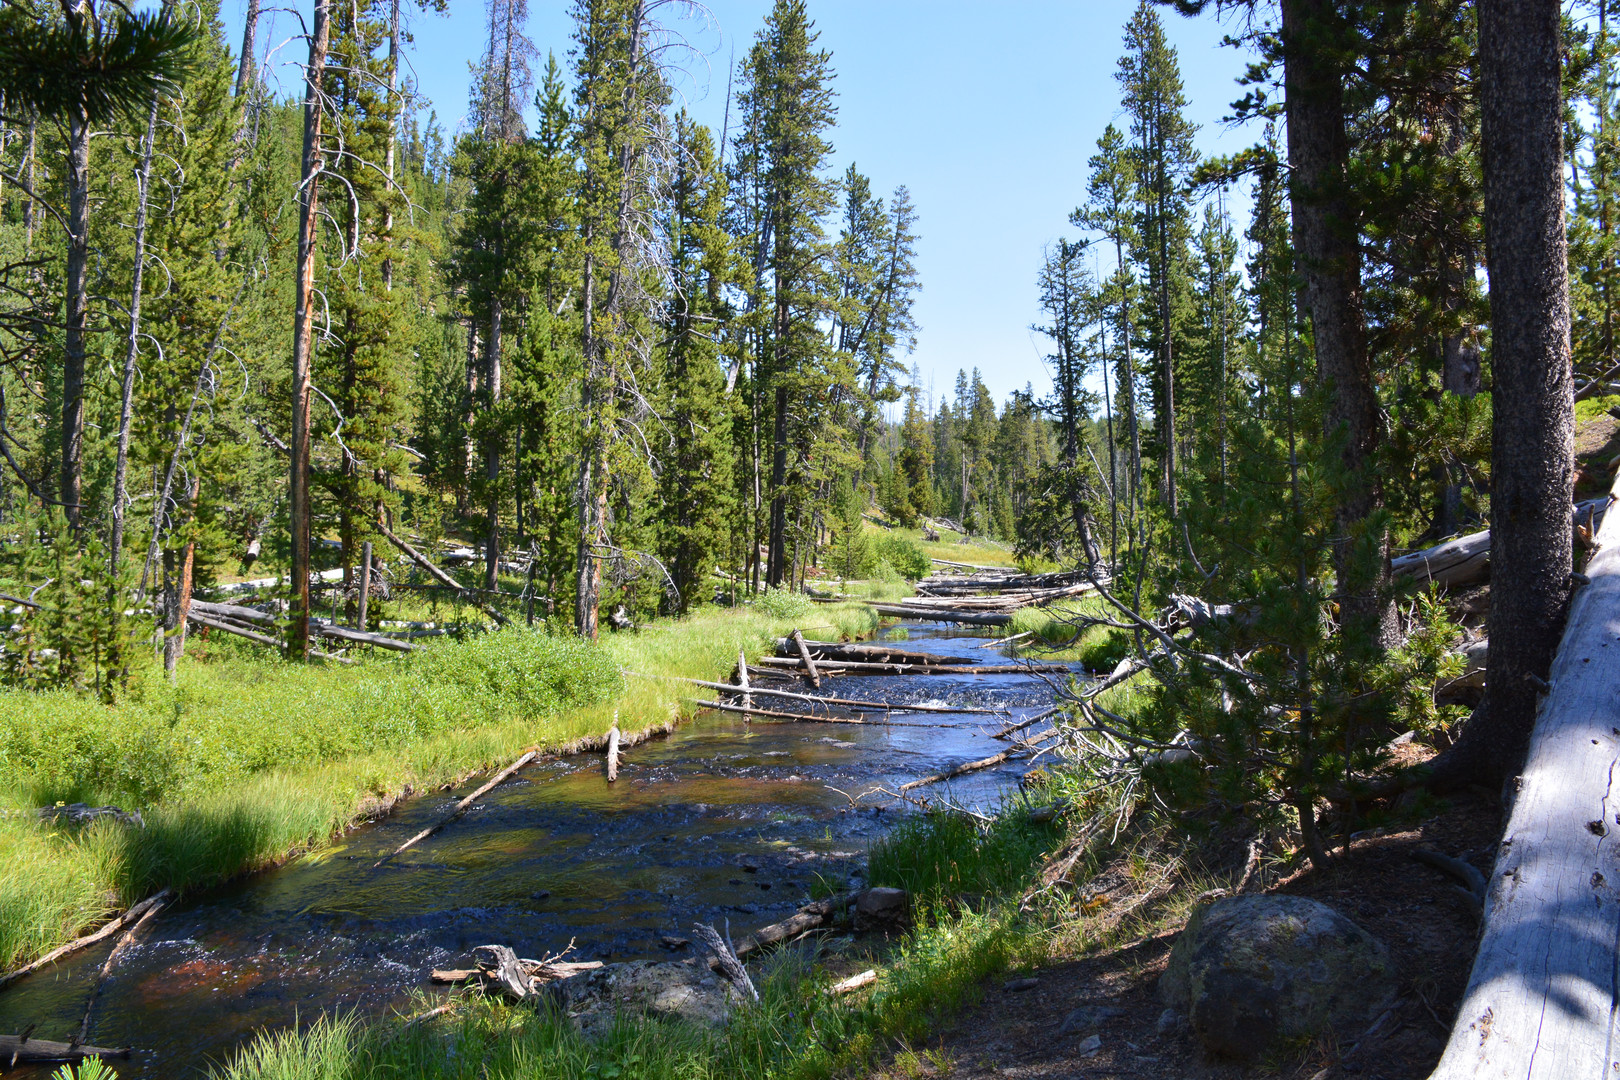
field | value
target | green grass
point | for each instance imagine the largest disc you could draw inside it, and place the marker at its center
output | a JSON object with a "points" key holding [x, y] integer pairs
{"points": [[244, 761], [939, 856], [1592, 408]]}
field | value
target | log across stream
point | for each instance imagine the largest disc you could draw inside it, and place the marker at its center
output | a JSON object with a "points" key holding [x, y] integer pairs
{"points": [[719, 820]]}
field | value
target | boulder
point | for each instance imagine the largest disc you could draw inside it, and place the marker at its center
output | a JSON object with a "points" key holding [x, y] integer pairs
{"points": [[684, 989], [1253, 973], [882, 908]]}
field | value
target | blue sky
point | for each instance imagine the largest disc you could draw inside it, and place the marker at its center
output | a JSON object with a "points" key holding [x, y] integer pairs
{"points": [[987, 112]]}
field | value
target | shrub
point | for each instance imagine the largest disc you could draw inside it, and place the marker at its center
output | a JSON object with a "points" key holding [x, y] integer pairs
{"points": [[904, 556]]}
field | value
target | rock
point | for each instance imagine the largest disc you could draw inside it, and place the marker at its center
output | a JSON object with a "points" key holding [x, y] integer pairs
{"points": [[882, 908], [1169, 1021], [1089, 1046], [1249, 971], [684, 989], [1087, 1017], [1014, 986]]}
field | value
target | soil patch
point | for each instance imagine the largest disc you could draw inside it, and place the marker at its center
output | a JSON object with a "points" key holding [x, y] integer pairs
{"points": [[1100, 1015]]}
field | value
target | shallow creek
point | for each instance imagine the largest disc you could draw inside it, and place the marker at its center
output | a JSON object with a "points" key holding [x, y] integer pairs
{"points": [[719, 820]]}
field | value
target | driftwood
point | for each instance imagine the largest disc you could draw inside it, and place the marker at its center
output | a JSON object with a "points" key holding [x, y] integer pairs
{"points": [[1467, 559], [809, 664], [726, 961], [870, 652], [1541, 997], [15, 1048], [853, 667], [456, 811], [851, 703], [810, 917], [542, 969], [853, 983], [803, 718], [742, 678], [939, 614], [501, 970], [613, 752], [439, 575], [133, 915], [966, 767]]}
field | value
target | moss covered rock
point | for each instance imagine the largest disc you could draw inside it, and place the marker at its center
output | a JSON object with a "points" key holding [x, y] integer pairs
{"points": [[1261, 973]]}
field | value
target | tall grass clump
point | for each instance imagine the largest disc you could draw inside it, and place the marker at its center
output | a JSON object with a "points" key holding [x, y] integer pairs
{"points": [[939, 856]]}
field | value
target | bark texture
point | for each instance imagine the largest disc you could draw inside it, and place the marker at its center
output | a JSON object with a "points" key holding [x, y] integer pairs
{"points": [[1533, 426]]}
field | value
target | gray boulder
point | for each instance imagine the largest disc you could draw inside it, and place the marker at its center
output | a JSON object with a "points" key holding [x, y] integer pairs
{"points": [[1252, 973], [687, 990], [882, 908]]}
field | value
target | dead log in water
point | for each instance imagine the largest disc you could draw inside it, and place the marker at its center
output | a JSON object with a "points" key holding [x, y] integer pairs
{"points": [[966, 767], [782, 663], [849, 703], [809, 663], [940, 614], [613, 751], [803, 718], [868, 652], [455, 811], [15, 1048], [108, 930]]}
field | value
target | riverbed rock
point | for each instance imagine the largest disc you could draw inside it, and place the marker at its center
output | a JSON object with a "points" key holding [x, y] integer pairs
{"points": [[882, 908], [1254, 972], [684, 989]]}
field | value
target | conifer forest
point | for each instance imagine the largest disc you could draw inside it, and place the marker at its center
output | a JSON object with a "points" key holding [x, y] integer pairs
{"points": [[351, 451]]}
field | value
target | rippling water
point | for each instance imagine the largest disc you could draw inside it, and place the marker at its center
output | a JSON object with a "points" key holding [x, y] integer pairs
{"points": [[719, 820]]}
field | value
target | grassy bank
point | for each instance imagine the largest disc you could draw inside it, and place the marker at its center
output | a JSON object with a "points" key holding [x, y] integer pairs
{"points": [[244, 760]]}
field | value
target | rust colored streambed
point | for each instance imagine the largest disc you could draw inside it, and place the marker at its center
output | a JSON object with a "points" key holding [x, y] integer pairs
{"points": [[715, 821]]}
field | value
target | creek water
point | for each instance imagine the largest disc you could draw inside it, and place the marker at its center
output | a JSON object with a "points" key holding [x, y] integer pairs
{"points": [[717, 821]]}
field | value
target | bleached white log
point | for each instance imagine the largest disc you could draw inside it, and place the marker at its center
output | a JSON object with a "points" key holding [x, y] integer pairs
{"points": [[1542, 998]]}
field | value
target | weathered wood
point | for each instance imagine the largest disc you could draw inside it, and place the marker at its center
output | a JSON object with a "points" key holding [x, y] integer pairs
{"points": [[543, 969], [874, 652], [1467, 559], [854, 667], [998, 642], [966, 767], [500, 967], [1541, 999], [854, 982], [1012, 729], [971, 618], [727, 962], [105, 931], [365, 585], [803, 718], [852, 703], [742, 678], [809, 664], [225, 627], [456, 811], [239, 612], [343, 633], [613, 752], [14, 1048], [443, 578]]}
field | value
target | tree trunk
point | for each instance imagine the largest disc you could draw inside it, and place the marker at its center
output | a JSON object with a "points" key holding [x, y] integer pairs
{"points": [[78, 257], [1325, 238], [303, 324], [777, 553], [393, 137], [1532, 430], [492, 453], [246, 68]]}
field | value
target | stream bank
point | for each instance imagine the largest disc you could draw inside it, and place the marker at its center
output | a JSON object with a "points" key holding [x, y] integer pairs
{"points": [[717, 821]]}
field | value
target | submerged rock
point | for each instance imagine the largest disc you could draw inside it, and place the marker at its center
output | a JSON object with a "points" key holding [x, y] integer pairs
{"points": [[1253, 971]]}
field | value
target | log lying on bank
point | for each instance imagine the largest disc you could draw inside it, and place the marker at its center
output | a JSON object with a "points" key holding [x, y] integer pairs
{"points": [[245, 621], [810, 917], [871, 652], [1541, 999], [439, 575], [15, 1048], [780, 664], [802, 718], [849, 703], [1467, 559]]}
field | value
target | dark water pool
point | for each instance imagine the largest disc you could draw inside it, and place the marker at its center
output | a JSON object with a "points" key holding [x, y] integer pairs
{"points": [[719, 820]]}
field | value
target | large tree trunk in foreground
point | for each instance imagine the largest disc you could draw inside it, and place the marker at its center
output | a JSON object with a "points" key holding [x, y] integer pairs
{"points": [[1326, 239], [1542, 997], [1532, 433], [303, 325]]}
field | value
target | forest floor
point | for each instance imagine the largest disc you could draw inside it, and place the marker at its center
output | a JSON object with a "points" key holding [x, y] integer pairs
{"points": [[1093, 1010]]}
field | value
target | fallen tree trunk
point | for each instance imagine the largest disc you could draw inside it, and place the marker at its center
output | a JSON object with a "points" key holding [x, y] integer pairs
{"points": [[809, 664], [443, 578], [971, 618], [966, 767], [1467, 559], [108, 930], [460, 806], [15, 1048], [1542, 997], [613, 752], [872, 653], [783, 663], [803, 718], [343, 633], [225, 627], [810, 917], [849, 703]]}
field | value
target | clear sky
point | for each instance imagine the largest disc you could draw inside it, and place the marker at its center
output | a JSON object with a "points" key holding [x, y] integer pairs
{"points": [[987, 112]]}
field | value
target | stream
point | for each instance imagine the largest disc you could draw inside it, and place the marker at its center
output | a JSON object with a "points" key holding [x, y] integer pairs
{"points": [[716, 821]]}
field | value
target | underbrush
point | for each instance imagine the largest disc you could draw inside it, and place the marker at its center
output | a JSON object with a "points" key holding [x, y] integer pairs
{"points": [[243, 761], [1060, 629]]}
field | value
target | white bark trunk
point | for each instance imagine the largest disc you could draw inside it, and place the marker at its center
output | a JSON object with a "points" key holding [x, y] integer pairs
{"points": [[1541, 1001]]}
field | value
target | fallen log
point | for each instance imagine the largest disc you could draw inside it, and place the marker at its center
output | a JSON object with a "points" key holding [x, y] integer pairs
{"points": [[227, 628], [809, 664], [343, 633], [544, 969], [455, 812], [998, 642], [237, 612], [971, 618], [966, 767], [15, 1048], [854, 982], [1467, 559], [850, 703], [742, 677], [872, 653], [613, 752], [443, 578], [105, 931], [851, 666], [1012, 729], [803, 718], [1540, 1001], [810, 917]]}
